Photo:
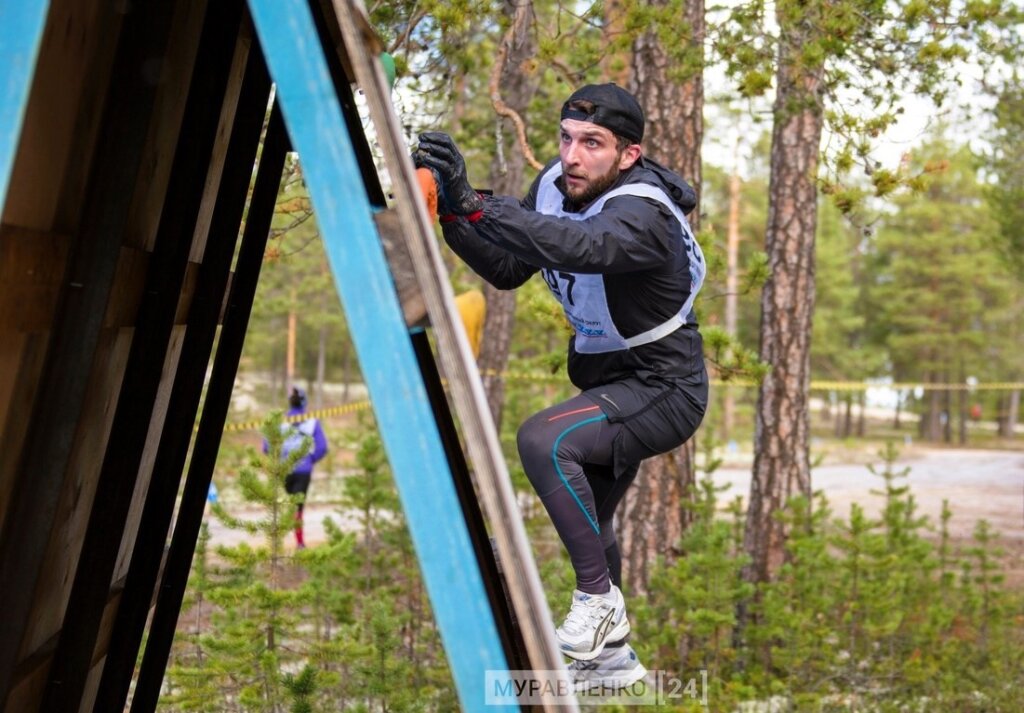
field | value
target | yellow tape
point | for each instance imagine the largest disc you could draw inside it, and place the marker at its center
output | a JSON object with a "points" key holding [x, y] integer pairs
{"points": [[318, 413], [816, 385], [356, 406], [910, 386]]}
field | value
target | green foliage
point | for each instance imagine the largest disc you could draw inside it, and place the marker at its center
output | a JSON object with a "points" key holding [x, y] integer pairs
{"points": [[688, 619], [1006, 161], [865, 610], [856, 62], [938, 321], [865, 607], [729, 358], [844, 346], [878, 610], [342, 625]]}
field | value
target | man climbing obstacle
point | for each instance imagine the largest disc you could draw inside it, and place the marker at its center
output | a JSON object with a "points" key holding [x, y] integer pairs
{"points": [[607, 230]]}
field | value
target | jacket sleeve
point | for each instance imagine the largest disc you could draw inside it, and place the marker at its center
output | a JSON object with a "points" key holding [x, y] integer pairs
{"points": [[319, 443], [631, 233], [498, 266]]}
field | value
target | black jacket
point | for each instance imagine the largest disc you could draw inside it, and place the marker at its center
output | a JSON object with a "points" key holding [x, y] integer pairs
{"points": [[633, 242]]}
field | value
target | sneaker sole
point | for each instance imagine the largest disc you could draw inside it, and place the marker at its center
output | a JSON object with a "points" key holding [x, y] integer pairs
{"points": [[620, 631], [617, 681]]}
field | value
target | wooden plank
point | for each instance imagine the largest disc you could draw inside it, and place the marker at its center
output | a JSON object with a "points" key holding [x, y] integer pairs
{"points": [[21, 31], [68, 366], [11, 348], [339, 67], [170, 373], [64, 539], [135, 416], [339, 192], [21, 358], [219, 158], [26, 692], [30, 676], [37, 663], [63, 116], [511, 637], [32, 265], [145, 555], [218, 396], [457, 362], [175, 70], [34, 665]]}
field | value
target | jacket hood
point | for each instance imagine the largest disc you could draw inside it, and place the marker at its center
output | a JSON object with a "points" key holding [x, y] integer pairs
{"points": [[681, 192]]}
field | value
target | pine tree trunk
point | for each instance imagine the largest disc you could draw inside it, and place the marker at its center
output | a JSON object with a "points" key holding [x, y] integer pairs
{"points": [[1013, 413], [781, 461], [933, 422], [862, 417], [495, 347], [652, 519], [321, 366], [346, 372], [289, 360], [962, 413], [614, 65], [732, 284], [517, 89], [947, 412]]}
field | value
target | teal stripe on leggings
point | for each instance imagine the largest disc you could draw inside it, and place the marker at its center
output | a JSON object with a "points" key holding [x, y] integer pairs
{"points": [[558, 469]]}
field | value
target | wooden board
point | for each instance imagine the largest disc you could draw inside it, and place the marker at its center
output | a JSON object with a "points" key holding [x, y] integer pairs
{"points": [[457, 362], [62, 116]]}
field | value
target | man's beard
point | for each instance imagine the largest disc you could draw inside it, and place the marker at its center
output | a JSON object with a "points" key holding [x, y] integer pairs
{"points": [[595, 188]]}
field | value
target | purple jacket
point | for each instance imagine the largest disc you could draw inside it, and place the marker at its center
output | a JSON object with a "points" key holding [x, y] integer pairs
{"points": [[294, 433]]}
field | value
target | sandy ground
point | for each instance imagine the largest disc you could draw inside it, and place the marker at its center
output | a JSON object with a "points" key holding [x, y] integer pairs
{"points": [[978, 484]]}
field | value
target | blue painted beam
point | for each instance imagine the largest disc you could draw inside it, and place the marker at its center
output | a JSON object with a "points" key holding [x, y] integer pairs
{"points": [[21, 33], [408, 429]]}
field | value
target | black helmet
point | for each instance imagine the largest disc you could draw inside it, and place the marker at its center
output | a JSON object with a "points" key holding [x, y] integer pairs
{"points": [[297, 399]]}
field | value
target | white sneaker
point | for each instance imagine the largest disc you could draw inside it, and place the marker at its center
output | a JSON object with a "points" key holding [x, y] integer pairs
{"points": [[593, 621], [614, 669]]}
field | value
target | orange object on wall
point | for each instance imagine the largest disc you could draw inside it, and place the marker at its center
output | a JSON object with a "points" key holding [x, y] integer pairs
{"points": [[428, 187]]}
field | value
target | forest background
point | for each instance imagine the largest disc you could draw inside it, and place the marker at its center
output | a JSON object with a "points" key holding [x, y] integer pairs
{"points": [[828, 266]]}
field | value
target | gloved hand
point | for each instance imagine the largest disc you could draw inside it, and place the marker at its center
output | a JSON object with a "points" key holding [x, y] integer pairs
{"points": [[437, 151], [441, 203]]}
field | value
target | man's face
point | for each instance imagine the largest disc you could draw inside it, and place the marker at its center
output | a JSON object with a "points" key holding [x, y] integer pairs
{"points": [[591, 160]]}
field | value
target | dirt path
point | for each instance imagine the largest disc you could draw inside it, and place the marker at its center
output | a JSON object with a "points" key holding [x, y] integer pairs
{"points": [[978, 484]]}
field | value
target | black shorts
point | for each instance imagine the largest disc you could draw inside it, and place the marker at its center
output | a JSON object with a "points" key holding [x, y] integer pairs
{"points": [[657, 416], [297, 483]]}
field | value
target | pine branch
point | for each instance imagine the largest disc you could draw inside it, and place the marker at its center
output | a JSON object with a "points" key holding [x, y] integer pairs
{"points": [[500, 107]]}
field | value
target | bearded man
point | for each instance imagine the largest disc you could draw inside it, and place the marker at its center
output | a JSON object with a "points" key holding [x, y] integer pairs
{"points": [[607, 230]]}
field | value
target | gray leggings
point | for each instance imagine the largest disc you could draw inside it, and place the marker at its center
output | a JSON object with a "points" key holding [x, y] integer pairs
{"points": [[581, 458]]}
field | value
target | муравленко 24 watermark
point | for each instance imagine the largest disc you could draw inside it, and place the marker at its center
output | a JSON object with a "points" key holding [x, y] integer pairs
{"points": [[504, 687]]}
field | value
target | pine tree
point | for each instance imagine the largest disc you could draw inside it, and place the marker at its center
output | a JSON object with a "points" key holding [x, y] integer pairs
{"points": [[939, 322], [847, 64], [191, 679]]}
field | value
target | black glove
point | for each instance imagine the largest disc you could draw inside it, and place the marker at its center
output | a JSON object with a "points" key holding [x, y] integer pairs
{"points": [[438, 152], [442, 203]]}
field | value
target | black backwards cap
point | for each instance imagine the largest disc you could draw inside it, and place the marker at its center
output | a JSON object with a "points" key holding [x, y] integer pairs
{"points": [[614, 108]]}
